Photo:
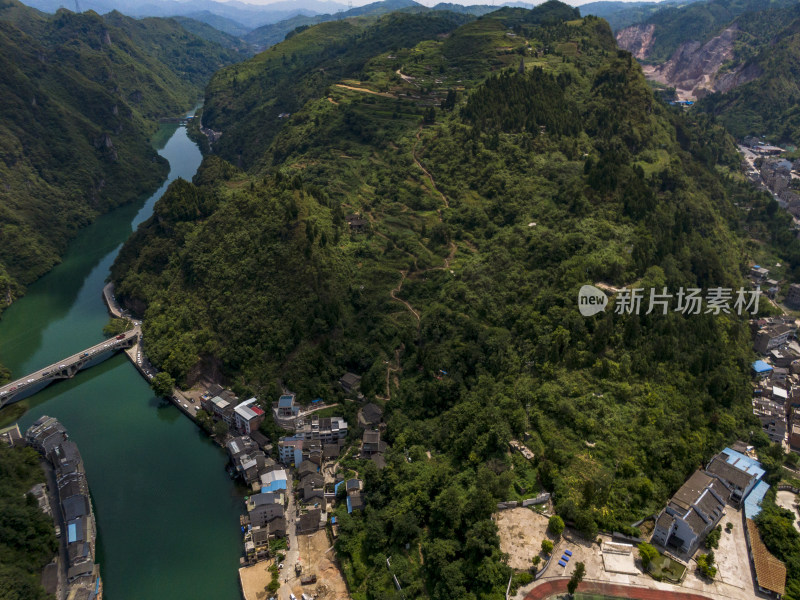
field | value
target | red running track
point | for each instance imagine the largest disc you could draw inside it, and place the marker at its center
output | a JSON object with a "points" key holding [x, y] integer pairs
{"points": [[559, 586]]}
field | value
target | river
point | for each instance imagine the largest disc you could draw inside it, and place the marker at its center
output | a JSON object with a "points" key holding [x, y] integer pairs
{"points": [[167, 512]]}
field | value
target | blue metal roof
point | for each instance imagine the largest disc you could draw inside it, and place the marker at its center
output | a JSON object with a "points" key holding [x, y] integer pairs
{"points": [[562, 563], [349, 506], [744, 463], [278, 484], [761, 367], [336, 487], [72, 533], [316, 400], [285, 401], [752, 504]]}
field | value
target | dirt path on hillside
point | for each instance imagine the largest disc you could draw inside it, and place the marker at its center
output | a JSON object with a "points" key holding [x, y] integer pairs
{"points": [[427, 174], [365, 91]]}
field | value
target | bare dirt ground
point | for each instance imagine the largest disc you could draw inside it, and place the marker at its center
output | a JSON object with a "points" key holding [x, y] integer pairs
{"points": [[787, 500], [255, 579], [317, 557], [521, 533]]}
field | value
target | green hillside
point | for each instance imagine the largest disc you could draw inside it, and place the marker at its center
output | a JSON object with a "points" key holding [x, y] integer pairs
{"points": [[244, 101], [274, 33], [81, 95], [489, 197]]}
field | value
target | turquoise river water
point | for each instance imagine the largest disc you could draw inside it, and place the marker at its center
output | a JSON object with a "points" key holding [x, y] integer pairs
{"points": [[167, 512]]}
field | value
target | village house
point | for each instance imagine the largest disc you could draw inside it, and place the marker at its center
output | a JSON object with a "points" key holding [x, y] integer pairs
{"points": [[330, 452], [758, 273], [370, 416], [737, 472], [306, 467], [310, 522], [263, 508], [693, 511], [772, 415], [256, 543], [313, 450], [773, 335], [220, 409], [287, 408], [290, 450], [326, 430], [371, 444], [248, 416], [356, 222], [350, 382], [247, 459], [793, 296]]}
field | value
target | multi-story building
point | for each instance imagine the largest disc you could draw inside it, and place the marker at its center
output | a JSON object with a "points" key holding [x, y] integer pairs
{"points": [[693, 511], [290, 450], [773, 335], [738, 472], [221, 409], [248, 416], [326, 430]]}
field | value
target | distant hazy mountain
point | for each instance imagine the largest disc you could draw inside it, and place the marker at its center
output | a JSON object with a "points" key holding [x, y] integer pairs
{"points": [[223, 24], [273, 33], [620, 14], [208, 32], [240, 12]]}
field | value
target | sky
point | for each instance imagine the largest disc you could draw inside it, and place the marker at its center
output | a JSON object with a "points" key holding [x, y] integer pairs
{"points": [[432, 2]]}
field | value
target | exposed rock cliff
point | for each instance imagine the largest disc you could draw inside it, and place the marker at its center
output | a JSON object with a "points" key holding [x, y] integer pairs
{"points": [[694, 67], [637, 39]]}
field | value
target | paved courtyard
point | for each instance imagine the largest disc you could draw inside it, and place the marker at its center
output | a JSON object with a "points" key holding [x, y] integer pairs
{"points": [[734, 580]]}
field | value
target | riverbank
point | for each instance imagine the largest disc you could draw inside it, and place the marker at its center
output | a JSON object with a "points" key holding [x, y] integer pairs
{"points": [[73, 516]]}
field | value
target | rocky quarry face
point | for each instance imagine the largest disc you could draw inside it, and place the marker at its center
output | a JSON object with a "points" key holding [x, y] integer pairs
{"points": [[693, 67], [637, 39]]}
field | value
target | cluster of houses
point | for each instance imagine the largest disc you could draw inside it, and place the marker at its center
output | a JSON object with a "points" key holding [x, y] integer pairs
{"points": [[733, 476], [776, 385], [759, 278], [312, 444], [244, 417], [49, 437], [769, 172], [776, 175], [757, 146]]}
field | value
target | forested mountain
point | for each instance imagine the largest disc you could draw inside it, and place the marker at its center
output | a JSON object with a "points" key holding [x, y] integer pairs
{"points": [[496, 167], [226, 29], [246, 100], [232, 10], [81, 95], [271, 34]]}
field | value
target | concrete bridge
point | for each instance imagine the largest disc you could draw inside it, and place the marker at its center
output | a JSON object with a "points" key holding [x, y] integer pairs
{"points": [[66, 368]]}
